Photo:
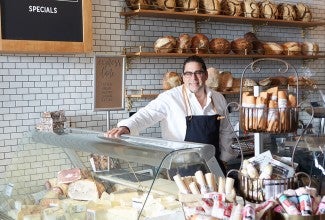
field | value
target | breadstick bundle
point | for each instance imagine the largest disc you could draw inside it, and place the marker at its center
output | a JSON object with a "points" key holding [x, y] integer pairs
{"points": [[292, 113], [261, 112], [273, 117]]}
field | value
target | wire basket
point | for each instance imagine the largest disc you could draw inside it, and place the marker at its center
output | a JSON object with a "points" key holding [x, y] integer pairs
{"points": [[271, 120], [259, 190]]}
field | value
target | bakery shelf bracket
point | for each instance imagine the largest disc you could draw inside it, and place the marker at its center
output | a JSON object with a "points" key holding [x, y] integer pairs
{"points": [[257, 27], [138, 96]]}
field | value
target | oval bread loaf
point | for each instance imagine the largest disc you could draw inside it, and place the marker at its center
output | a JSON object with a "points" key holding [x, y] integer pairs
{"points": [[241, 46], [168, 5], [210, 6], [187, 5], [231, 7], [200, 44], [165, 44], [303, 12], [171, 80], [219, 46], [272, 48], [287, 12], [309, 48], [268, 9], [291, 48], [137, 4], [251, 9]]}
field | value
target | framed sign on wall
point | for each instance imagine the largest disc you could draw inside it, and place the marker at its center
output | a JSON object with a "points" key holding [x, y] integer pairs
{"points": [[109, 82], [46, 26]]}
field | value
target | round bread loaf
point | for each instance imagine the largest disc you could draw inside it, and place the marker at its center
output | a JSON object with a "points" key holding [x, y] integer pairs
{"points": [[257, 45], [171, 80], [168, 5], [287, 12], [231, 7], [272, 48], [303, 12], [137, 4], [251, 9], [241, 46], [200, 43], [165, 44], [268, 9], [309, 48], [219, 46], [291, 48], [187, 5], [184, 43], [210, 6], [225, 81]]}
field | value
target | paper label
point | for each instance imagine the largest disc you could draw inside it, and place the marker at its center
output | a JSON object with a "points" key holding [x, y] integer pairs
{"points": [[8, 189]]}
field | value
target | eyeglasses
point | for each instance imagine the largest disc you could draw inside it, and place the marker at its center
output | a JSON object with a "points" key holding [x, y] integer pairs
{"points": [[198, 73]]}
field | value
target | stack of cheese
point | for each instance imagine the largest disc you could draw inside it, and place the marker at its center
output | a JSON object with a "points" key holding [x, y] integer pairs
{"points": [[272, 111]]}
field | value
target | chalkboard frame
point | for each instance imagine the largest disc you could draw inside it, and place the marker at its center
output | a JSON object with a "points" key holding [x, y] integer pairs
{"points": [[54, 47], [97, 106]]}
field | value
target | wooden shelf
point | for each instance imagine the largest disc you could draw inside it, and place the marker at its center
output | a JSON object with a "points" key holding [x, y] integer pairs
{"points": [[219, 18], [209, 55], [142, 96]]}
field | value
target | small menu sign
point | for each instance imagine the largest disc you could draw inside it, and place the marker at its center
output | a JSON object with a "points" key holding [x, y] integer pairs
{"points": [[108, 82]]}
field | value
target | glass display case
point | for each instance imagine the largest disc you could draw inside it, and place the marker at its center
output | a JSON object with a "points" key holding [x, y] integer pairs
{"points": [[132, 181]]}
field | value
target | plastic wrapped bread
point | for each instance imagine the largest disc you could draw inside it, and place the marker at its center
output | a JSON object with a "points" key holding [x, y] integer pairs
{"points": [[261, 112], [249, 103], [273, 117], [283, 105]]}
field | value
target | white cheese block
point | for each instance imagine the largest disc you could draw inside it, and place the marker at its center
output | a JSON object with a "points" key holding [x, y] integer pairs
{"points": [[75, 210], [123, 197], [125, 213], [54, 213]]}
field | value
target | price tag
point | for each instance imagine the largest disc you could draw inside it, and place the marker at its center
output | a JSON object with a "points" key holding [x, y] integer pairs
{"points": [[8, 189]]}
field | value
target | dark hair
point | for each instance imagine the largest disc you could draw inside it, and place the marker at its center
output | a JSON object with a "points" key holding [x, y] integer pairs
{"points": [[197, 59]]}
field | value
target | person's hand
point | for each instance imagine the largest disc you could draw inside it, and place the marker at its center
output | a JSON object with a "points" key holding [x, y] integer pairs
{"points": [[117, 132]]}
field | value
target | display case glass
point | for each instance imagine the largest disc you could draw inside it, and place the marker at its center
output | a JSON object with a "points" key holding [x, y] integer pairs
{"points": [[133, 176]]}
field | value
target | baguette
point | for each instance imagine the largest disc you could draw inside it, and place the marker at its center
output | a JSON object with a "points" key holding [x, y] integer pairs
{"points": [[283, 104], [273, 117]]}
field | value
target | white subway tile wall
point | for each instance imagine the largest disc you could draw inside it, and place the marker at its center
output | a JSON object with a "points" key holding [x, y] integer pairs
{"points": [[32, 84]]}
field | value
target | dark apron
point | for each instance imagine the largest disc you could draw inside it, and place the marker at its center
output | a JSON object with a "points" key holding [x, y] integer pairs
{"points": [[201, 129]]}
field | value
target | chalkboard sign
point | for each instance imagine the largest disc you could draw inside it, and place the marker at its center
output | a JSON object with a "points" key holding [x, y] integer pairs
{"points": [[109, 82], [46, 26]]}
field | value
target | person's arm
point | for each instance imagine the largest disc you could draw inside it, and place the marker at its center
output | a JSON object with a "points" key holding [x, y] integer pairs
{"points": [[147, 116], [117, 132]]}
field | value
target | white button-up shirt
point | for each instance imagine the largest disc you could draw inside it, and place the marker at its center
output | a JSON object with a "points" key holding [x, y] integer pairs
{"points": [[169, 108]]}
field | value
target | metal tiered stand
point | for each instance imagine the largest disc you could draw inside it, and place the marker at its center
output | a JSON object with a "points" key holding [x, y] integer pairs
{"points": [[258, 119]]}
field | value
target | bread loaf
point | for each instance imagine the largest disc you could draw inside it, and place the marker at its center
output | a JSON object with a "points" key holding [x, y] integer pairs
{"points": [[303, 12], [219, 46], [200, 44], [139, 4], [225, 81], [251, 9], [274, 81], [287, 12], [165, 44], [169, 5], [231, 7], [272, 48], [210, 6], [257, 45], [241, 46], [213, 78], [184, 43], [309, 48], [171, 80], [291, 48], [268, 9], [187, 5]]}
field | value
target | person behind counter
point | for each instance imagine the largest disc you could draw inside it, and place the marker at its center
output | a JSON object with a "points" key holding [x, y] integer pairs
{"points": [[187, 113]]}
